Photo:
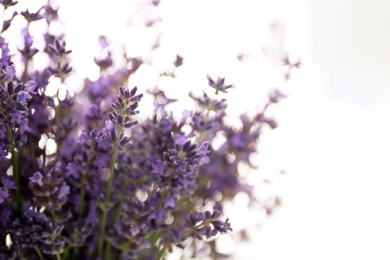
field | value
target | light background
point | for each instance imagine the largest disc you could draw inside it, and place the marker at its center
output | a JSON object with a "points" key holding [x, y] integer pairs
{"points": [[333, 140]]}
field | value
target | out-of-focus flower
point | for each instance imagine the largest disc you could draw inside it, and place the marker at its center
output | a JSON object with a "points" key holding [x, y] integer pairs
{"points": [[218, 84]]}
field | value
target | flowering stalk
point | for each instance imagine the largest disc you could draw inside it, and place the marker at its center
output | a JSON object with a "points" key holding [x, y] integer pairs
{"points": [[107, 202], [82, 190], [15, 168], [124, 107], [39, 253]]}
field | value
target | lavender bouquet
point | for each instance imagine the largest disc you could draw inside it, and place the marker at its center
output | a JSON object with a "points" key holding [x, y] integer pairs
{"points": [[89, 181]]}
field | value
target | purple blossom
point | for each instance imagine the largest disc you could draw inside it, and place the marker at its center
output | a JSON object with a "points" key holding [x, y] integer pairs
{"points": [[37, 178], [3, 195], [5, 54], [218, 84], [28, 51], [32, 17], [96, 179], [8, 3], [7, 23]]}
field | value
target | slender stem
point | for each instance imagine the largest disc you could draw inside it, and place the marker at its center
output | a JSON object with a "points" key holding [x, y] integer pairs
{"points": [[2, 22], [154, 237], [15, 167], [58, 115], [82, 190], [161, 253], [25, 70], [112, 168], [58, 111], [104, 217], [166, 191], [116, 215], [39, 253], [66, 251], [118, 211], [206, 118], [75, 252], [163, 195], [53, 215], [82, 195], [59, 67], [102, 227], [205, 124], [107, 251]]}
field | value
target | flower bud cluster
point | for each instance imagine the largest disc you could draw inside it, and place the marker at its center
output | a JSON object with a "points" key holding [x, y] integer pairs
{"points": [[205, 102], [59, 49], [14, 97], [218, 84], [49, 189], [28, 51], [124, 108], [200, 224], [36, 230], [179, 165]]}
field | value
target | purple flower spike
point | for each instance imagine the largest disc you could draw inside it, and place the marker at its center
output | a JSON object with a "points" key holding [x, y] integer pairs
{"points": [[7, 23]]}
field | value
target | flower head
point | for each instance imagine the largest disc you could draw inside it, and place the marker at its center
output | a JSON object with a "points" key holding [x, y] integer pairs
{"points": [[218, 84]]}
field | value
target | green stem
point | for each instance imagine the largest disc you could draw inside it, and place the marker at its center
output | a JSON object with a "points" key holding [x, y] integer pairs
{"points": [[104, 217], [58, 125], [163, 196], [118, 211], [57, 109], [66, 251], [58, 256], [166, 191], [82, 194], [102, 227], [82, 190], [107, 251], [112, 168], [53, 215], [39, 253], [2, 22], [59, 67], [15, 167], [116, 215], [207, 117], [25, 70], [154, 237], [161, 253], [205, 124], [74, 252]]}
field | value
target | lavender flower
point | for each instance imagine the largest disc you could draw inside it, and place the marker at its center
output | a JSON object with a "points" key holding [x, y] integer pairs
{"points": [[7, 23], [28, 51], [218, 84], [95, 180], [8, 3], [3, 195], [32, 17]]}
